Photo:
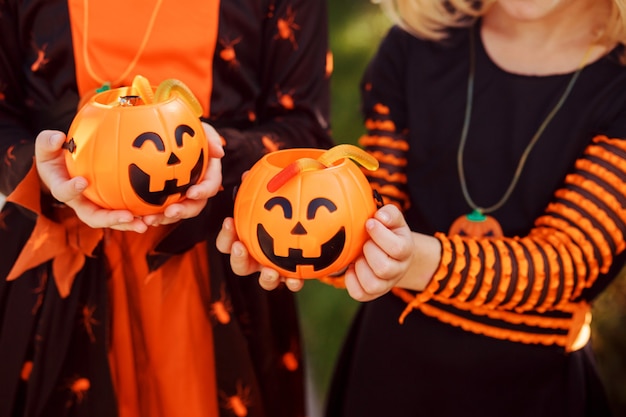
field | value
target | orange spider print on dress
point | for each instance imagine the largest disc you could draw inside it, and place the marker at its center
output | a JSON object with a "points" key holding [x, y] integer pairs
{"points": [[41, 58], [27, 368], [290, 360], [228, 53], [238, 403], [285, 99], [286, 26], [78, 387], [270, 144], [222, 308], [330, 64], [270, 10], [88, 321]]}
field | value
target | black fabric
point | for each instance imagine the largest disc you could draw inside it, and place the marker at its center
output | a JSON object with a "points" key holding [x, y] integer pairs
{"points": [[38, 327], [265, 328], [421, 368]]}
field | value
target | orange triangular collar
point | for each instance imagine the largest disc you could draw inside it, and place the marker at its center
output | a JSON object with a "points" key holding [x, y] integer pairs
{"points": [[66, 242]]}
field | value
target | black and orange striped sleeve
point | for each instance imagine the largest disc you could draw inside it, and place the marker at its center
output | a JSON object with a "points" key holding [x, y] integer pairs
{"points": [[384, 107], [572, 243], [389, 147]]}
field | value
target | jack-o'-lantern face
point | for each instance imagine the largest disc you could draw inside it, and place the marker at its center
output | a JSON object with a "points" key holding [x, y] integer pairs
{"points": [[139, 157], [324, 244], [148, 174], [311, 226]]}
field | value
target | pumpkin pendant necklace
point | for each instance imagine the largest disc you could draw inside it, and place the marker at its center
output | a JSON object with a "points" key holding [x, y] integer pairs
{"points": [[107, 84], [478, 223]]}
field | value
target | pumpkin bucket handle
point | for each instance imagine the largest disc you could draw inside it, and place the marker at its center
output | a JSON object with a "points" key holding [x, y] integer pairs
{"points": [[141, 86], [172, 85], [325, 160]]}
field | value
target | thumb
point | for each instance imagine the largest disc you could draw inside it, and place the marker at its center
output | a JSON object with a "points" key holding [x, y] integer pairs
{"points": [[48, 144]]}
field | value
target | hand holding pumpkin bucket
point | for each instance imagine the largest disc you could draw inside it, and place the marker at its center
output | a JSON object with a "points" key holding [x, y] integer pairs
{"points": [[302, 211], [140, 148]]}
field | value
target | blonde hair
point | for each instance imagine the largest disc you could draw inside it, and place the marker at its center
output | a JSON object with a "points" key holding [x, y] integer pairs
{"points": [[431, 19]]}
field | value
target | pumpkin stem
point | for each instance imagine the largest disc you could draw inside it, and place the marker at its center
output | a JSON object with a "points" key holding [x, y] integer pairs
{"points": [[476, 216], [104, 87]]}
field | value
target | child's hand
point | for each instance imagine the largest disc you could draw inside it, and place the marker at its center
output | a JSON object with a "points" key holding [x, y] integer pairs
{"points": [[243, 264], [394, 256], [52, 170], [198, 194]]}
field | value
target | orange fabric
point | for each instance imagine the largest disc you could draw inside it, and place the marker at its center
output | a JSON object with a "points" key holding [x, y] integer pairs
{"points": [[161, 337], [385, 174], [388, 148], [66, 241], [385, 141], [162, 342], [116, 29], [387, 125]]}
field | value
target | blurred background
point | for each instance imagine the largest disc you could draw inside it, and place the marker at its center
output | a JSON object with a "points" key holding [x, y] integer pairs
{"points": [[356, 27]]}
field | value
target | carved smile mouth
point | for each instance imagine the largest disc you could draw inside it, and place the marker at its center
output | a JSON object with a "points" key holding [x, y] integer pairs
{"points": [[140, 182], [330, 251]]}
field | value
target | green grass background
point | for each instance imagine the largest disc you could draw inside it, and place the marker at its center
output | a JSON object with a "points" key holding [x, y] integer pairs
{"points": [[356, 27]]}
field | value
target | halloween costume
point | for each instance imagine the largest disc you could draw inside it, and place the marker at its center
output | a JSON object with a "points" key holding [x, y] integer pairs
{"points": [[501, 329], [101, 323]]}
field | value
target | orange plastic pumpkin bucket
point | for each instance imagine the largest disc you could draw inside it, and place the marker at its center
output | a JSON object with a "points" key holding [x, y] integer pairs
{"points": [[310, 225], [138, 152]]}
